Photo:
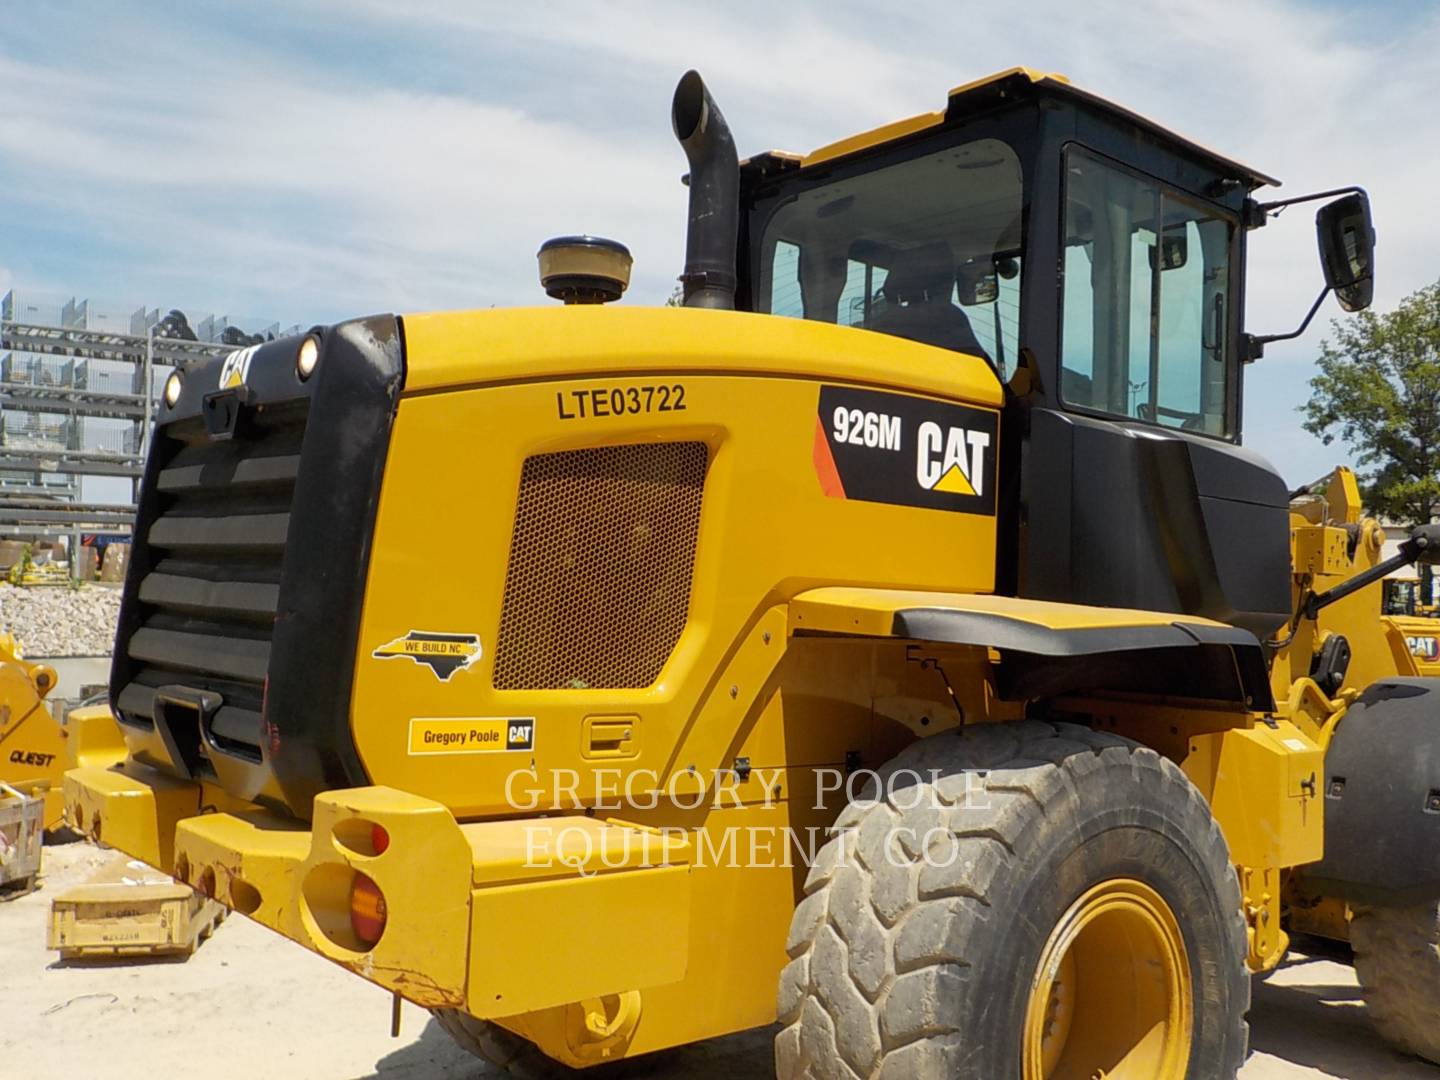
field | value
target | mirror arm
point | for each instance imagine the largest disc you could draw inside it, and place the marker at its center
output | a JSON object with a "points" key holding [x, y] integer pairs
{"points": [[1280, 204], [1252, 347]]}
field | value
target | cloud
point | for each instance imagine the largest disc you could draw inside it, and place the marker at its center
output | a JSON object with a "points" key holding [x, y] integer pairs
{"points": [[376, 155], [333, 193]]}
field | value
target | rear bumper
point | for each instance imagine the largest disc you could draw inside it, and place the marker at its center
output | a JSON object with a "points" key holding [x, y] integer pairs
{"points": [[497, 918]]}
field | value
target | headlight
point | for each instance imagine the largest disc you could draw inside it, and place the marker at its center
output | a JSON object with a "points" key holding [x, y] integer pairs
{"points": [[172, 389], [306, 358]]}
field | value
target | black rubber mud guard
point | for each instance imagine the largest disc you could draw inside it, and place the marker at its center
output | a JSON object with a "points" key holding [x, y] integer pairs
{"points": [[1184, 659], [1382, 798]]}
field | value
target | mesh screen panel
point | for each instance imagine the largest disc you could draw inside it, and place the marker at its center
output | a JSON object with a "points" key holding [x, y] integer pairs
{"points": [[598, 585]]}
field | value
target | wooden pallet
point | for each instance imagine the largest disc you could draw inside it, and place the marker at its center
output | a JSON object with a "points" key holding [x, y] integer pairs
{"points": [[131, 910]]}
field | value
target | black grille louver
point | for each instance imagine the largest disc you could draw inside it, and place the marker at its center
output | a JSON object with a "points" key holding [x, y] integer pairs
{"points": [[236, 645], [216, 545]]}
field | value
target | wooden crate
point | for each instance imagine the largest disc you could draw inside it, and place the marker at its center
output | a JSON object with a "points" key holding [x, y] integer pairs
{"points": [[129, 909], [21, 827]]}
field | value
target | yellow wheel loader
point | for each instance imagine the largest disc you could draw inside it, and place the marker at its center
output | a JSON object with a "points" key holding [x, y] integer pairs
{"points": [[1400, 604], [893, 641], [1422, 636]]}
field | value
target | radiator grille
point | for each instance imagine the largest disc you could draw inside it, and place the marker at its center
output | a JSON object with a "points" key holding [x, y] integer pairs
{"points": [[598, 585], [216, 546]]}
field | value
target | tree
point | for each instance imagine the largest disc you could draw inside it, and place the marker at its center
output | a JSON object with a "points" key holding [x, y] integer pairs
{"points": [[1378, 391]]}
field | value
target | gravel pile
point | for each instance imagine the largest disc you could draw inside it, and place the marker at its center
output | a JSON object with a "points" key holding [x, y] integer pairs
{"points": [[55, 621]]}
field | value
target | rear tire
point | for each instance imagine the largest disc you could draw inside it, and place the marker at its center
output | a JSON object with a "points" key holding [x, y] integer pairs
{"points": [[1397, 959], [903, 967]]}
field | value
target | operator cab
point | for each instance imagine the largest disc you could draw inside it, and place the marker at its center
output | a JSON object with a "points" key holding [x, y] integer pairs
{"points": [[1096, 262]]}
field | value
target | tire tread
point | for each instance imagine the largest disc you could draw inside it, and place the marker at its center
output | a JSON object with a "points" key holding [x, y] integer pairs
{"points": [[1397, 959]]}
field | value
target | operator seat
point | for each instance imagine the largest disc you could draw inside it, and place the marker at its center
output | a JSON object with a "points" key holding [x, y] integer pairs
{"points": [[917, 293]]}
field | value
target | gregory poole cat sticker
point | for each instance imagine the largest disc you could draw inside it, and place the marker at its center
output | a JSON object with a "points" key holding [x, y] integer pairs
{"points": [[471, 734]]}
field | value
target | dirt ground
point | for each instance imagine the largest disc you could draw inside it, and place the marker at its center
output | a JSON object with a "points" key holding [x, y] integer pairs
{"points": [[250, 1004]]}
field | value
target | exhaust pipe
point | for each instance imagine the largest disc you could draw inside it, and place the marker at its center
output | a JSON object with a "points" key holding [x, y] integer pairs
{"points": [[709, 278]]}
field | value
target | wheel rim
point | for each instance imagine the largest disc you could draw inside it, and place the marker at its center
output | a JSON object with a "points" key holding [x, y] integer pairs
{"points": [[1111, 998]]}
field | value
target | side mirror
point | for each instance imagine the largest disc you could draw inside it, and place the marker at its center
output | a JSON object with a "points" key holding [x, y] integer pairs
{"points": [[1347, 256], [1347, 249]]}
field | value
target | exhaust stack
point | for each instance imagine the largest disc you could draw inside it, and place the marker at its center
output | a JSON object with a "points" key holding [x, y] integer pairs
{"points": [[709, 278]]}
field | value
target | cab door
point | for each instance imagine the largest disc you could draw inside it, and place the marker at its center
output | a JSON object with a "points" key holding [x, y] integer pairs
{"points": [[1135, 492]]}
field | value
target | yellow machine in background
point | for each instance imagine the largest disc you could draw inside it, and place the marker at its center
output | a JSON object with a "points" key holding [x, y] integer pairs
{"points": [[32, 746], [799, 656], [35, 750], [1401, 604], [1422, 637]]}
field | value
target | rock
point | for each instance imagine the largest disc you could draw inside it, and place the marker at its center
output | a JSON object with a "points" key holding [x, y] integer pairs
{"points": [[58, 621]]}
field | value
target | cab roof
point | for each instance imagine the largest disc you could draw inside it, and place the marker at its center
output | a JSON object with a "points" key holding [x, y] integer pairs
{"points": [[972, 97]]}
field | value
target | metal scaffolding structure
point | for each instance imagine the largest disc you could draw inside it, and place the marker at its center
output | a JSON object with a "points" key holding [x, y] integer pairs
{"points": [[77, 398]]}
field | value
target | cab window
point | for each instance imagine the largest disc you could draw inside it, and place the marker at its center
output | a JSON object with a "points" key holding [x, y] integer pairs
{"points": [[1146, 319], [927, 249]]}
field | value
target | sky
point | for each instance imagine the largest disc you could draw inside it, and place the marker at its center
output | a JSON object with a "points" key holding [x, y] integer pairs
{"points": [[312, 160]]}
